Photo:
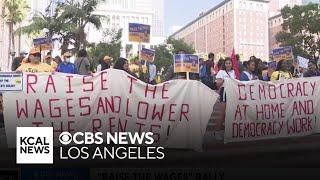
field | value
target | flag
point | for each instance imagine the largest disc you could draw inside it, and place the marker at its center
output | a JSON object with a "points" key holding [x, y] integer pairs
{"points": [[235, 65]]}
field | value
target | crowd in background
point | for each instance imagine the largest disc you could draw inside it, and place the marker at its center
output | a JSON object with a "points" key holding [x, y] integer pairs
{"points": [[210, 73], [33, 63]]}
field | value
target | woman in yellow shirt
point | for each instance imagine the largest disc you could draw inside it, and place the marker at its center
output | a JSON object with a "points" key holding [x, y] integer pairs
{"points": [[34, 65], [282, 72]]}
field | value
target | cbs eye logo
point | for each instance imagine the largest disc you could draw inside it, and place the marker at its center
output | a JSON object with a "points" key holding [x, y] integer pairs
{"points": [[65, 138]]}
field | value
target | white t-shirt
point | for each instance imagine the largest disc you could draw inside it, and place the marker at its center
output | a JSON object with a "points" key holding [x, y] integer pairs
{"points": [[222, 74], [99, 68]]}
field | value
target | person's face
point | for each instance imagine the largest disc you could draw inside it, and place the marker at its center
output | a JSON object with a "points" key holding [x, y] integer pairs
{"points": [[34, 59], [252, 67], [312, 67], [126, 66], [56, 60], [228, 65], [48, 60], [106, 60]]}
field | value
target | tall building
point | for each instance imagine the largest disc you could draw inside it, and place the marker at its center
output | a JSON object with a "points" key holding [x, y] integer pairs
{"points": [[118, 14], [232, 24], [275, 6], [276, 20], [158, 18]]}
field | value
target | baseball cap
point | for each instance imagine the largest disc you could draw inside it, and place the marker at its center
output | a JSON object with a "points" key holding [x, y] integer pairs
{"points": [[34, 51]]}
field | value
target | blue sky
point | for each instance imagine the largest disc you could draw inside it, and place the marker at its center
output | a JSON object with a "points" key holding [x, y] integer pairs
{"points": [[181, 12]]}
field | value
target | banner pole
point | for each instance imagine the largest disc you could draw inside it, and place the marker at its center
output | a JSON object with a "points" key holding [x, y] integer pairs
{"points": [[188, 77]]}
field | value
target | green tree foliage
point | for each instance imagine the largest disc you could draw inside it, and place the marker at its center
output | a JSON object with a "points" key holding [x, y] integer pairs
{"points": [[80, 14], [109, 47], [163, 57], [165, 52], [67, 23], [301, 29], [179, 44]]}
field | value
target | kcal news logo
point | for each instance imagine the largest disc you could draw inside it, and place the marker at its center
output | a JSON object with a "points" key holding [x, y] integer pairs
{"points": [[34, 145]]}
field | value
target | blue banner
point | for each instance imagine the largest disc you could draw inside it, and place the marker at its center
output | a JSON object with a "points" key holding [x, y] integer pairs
{"points": [[139, 32], [186, 63], [283, 53]]}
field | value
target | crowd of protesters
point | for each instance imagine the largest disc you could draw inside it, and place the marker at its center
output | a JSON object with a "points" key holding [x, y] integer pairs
{"points": [[210, 73], [32, 63]]}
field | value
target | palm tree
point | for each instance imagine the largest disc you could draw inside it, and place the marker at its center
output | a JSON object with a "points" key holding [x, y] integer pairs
{"points": [[56, 25], [68, 22], [80, 13], [14, 13]]}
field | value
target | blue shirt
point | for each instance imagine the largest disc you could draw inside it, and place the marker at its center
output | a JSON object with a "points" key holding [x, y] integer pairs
{"points": [[65, 67]]}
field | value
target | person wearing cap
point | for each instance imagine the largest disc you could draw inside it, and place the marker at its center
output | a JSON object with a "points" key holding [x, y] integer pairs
{"points": [[18, 60], [49, 60], [66, 66], [105, 64], [34, 65]]}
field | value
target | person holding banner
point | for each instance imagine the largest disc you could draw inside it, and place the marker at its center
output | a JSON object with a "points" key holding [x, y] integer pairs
{"points": [[313, 70], [83, 63], [49, 60], [225, 73], [282, 72], [18, 60], [152, 72], [249, 73], [105, 64], [122, 64], [66, 66], [33, 64]]}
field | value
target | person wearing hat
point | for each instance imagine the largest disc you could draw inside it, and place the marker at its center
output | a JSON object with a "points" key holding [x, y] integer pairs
{"points": [[18, 60], [49, 60], [34, 65], [105, 64], [66, 66]]}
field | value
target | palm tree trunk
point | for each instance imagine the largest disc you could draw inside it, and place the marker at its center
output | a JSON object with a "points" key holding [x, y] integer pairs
{"points": [[10, 41], [19, 46], [13, 39]]}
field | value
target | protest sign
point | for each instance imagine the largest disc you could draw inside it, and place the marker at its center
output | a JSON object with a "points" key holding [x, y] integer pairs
{"points": [[111, 101], [303, 62], [203, 55], [283, 53], [139, 33], [186, 63], [10, 81], [147, 54], [272, 65], [264, 110], [42, 44]]}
